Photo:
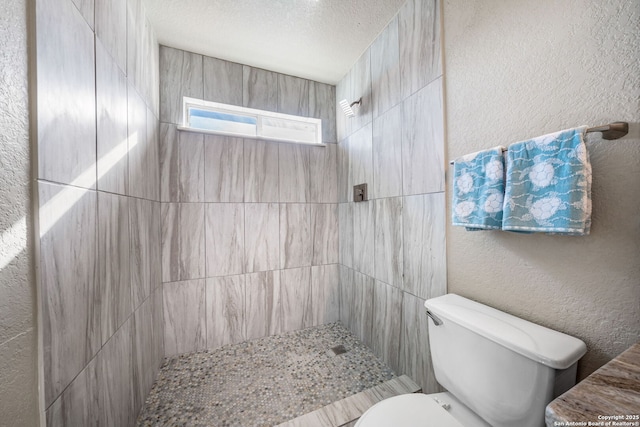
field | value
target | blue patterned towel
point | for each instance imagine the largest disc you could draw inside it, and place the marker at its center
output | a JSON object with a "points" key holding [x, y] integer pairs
{"points": [[478, 190], [548, 185]]}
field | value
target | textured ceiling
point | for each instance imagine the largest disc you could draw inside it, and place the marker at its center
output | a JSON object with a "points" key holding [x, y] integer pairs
{"points": [[315, 39]]}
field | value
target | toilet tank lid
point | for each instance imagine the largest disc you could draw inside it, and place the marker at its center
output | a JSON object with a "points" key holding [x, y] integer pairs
{"points": [[543, 345]]}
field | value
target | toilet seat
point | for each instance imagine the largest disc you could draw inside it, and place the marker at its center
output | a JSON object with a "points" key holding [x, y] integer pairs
{"points": [[407, 410]]}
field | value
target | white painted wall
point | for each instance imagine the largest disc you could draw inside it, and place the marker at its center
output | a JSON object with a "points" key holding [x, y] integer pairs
{"points": [[523, 68]]}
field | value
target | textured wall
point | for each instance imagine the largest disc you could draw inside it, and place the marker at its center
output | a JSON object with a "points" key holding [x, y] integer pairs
{"points": [[520, 69], [18, 336]]}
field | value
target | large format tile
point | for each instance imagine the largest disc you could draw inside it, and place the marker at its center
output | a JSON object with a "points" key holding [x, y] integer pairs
{"points": [[157, 336], [344, 180], [152, 157], [66, 104], [111, 29], [346, 295], [322, 105], [387, 154], [364, 237], [425, 263], [325, 294], [144, 217], [135, 42], [139, 182], [294, 168], [180, 75], [86, 8], [423, 141], [324, 234], [262, 236], [293, 95], [79, 404], [182, 164], [323, 177], [263, 310], [68, 283], [388, 240], [184, 317], [362, 308], [295, 294], [385, 69], [361, 89], [345, 233], [387, 322], [111, 112], [224, 169], [361, 161], [226, 318], [419, 38], [259, 88], [183, 244], [222, 81], [343, 92], [151, 68], [142, 339], [296, 244], [224, 238], [260, 171]]}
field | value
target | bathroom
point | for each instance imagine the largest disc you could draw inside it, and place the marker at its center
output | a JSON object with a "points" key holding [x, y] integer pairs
{"points": [[110, 214]]}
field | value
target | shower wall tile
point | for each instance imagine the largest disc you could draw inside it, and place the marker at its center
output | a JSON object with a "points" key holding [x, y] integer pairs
{"points": [[322, 105], [138, 145], [362, 309], [180, 75], [325, 294], [151, 69], [419, 39], [343, 92], [113, 262], [387, 322], [262, 236], [324, 234], [295, 288], [226, 321], [69, 283], [385, 69], [259, 88], [263, 310], [182, 164], [142, 338], [111, 29], [79, 404], [182, 241], [363, 238], [425, 267], [152, 157], [260, 171], [293, 95], [346, 295], [361, 160], [224, 169], [224, 238], [157, 337], [296, 244], [344, 193], [387, 153], [361, 89], [66, 116], [144, 218], [388, 240], [345, 233], [184, 317], [423, 141], [323, 178], [136, 35], [111, 112], [294, 179], [86, 8], [222, 81]]}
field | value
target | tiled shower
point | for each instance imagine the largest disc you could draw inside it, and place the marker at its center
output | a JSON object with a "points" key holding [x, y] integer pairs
{"points": [[156, 241]]}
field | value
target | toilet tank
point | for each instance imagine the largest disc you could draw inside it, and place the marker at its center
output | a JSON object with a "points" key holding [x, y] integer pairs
{"points": [[504, 368]]}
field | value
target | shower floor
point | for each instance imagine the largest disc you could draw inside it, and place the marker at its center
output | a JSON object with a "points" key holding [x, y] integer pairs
{"points": [[262, 382]]}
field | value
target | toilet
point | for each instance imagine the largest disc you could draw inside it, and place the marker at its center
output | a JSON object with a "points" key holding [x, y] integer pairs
{"points": [[498, 370]]}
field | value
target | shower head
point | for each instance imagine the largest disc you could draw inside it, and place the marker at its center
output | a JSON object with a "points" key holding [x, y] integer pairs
{"points": [[348, 108]]}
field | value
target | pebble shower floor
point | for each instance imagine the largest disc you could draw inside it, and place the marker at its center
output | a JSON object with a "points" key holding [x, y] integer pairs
{"points": [[262, 382]]}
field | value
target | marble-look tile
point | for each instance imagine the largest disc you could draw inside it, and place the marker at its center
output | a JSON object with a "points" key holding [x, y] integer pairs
{"points": [[135, 42], [343, 123], [388, 240], [345, 234], [323, 178], [387, 153], [259, 88], [263, 310], [111, 29], [182, 164], [385, 69], [387, 319], [361, 161], [322, 105], [224, 169], [325, 294], [261, 236], [226, 318], [222, 81], [293, 95], [68, 283], [346, 295], [293, 166], [361, 89], [138, 145], [224, 238], [111, 112], [113, 262], [144, 221], [363, 238], [142, 347], [157, 336], [79, 404], [152, 157], [296, 243], [324, 234], [362, 308], [183, 244], [423, 141], [295, 294], [415, 354], [180, 75], [344, 195], [66, 105], [184, 317], [151, 68], [425, 262], [260, 171], [86, 8], [419, 40]]}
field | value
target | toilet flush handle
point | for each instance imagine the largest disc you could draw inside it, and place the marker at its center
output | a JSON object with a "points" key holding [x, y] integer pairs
{"points": [[436, 319]]}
